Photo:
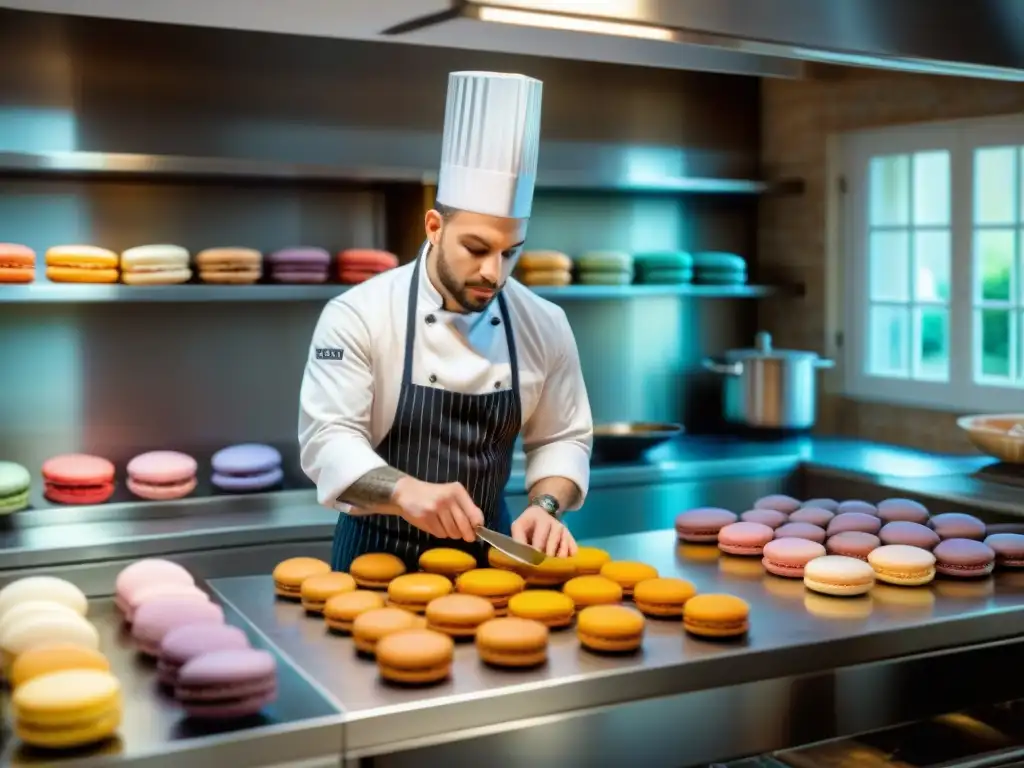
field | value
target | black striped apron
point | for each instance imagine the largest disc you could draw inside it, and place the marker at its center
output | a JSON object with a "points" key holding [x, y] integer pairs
{"points": [[441, 437]]}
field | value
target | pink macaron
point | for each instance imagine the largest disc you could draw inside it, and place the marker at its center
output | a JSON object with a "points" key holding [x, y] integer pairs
{"points": [[143, 574], [770, 517], [162, 475], [745, 539], [911, 534], [964, 558], [905, 510], [778, 501], [787, 557], [830, 504], [814, 515], [856, 505], [140, 597], [1009, 549], [858, 544], [801, 531], [701, 525], [854, 521], [957, 525]]}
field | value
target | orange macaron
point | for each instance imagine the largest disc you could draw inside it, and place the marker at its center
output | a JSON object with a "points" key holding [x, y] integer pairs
{"points": [[552, 609], [376, 570], [317, 590], [494, 584], [17, 263], [628, 573], [610, 628], [412, 591], [341, 610], [662, 597], [289, 574], [82, 264]]}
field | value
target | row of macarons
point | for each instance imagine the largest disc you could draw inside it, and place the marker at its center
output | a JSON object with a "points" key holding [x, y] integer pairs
{"points": [[845, 552], [622, 268], [410, 621], [55, 666], [80, 478], [167, 264]]}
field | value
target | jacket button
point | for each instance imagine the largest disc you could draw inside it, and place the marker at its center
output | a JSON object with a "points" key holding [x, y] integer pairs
{"points": [[433, 379], [497, 385], [431, 319], [495, 321]]}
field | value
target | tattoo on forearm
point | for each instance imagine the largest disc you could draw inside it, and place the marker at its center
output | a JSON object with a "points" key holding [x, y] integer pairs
{"points": [[374, 489]]}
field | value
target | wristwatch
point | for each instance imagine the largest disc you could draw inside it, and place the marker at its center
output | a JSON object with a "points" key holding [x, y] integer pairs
{"points": [[548, 503]]}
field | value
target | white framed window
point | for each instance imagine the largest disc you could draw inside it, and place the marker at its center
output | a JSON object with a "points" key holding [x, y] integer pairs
{"points": [[933, 264]]}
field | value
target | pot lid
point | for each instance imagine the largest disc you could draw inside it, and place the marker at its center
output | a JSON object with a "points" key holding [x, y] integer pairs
{"points": [[763, 350]]}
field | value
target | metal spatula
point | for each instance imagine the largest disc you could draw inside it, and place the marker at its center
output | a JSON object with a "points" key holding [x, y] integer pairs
{"points": [[509, 546]]}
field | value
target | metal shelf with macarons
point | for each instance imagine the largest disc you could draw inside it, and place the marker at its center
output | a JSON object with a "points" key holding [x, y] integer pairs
{"points": [[610, 268], [845, 548], [411, 623]]}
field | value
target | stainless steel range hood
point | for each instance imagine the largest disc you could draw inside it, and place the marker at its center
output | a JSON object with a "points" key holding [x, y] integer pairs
{"points": [[970, 38]]}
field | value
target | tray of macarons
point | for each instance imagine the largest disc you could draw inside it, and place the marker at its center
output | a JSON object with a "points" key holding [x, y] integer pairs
{"points": [[163, 661]]}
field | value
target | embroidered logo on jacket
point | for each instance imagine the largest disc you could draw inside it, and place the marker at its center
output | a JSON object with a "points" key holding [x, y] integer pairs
{"points": [[326, 353]]}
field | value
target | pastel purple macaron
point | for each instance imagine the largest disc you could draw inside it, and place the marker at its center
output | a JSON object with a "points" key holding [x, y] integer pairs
{"points": [[854, 521], [964, 558], [856, 505], [299, 265], [911, 534], [957, 525], [770, 517], [246, 467], [1009, 549], [906, 510], [814, 515], [830, 504], [227, 684], [746, 539], [858, 544], [787, 557], [701, 525], [779, 502], [185, 642], [156, 617], [801, 531]]}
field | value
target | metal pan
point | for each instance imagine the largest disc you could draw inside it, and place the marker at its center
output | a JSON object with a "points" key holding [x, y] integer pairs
{"points": [[629, 441]]}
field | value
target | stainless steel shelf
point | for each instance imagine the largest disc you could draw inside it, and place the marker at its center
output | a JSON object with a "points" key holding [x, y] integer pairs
{"points": [[75, 293], [114, 165]]}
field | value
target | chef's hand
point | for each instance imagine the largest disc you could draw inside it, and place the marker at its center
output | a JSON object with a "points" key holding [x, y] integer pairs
{"points": [[542, 531], [443, 510]]}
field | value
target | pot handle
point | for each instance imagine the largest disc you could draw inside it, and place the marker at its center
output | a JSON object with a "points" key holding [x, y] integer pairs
{"points": [[824, 362], [725, 369]]}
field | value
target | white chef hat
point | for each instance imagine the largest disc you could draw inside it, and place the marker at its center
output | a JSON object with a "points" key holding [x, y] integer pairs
{"points": [[491, 142]]}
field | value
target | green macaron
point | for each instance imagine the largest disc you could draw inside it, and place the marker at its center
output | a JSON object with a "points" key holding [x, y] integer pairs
{"points": [[605, 278], [604, 261], [667, 276], [14, 486], [662, 260]]}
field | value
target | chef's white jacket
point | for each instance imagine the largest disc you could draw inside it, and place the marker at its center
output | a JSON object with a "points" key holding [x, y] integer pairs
{"points": [[353, 377]]}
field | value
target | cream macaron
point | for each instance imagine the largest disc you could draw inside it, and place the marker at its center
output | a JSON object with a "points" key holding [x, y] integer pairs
{"points": [[48, 588], [38, 629]]}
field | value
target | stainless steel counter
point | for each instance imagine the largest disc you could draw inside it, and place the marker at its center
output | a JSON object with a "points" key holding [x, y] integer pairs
{"points": [[303, 724], [793, 633], [91, 543]]}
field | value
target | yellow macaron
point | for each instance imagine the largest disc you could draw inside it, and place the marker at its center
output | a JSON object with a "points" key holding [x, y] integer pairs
{"points": [[46, 659], [447, 561], [662, 597], [628, 573], [593, 590], [494, 584], [552, 609], [589, 560], [67, 709]]}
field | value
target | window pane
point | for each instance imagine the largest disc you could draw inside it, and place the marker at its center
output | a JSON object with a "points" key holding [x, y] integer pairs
{"points": [[993, 259], [931, 266], [931, 343], [996, 343], [889, 341], [889, 187], [931, 188], [995, 172], [889, 259]]}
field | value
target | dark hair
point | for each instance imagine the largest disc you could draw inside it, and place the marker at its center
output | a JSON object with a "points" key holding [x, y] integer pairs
{"points": [[446, 211]]}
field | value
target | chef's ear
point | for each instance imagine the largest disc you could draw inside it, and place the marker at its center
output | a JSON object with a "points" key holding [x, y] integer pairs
{"points": [[433, 222]]}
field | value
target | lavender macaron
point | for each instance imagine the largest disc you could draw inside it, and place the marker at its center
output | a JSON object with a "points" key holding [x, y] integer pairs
{"points": [[902, 510], [770, 517], [964, 558], [818, 516], [779, 502], [1009, 549], [858, 544], [158, 616], [806, 531], [299, 265], [227, 684], [957, 525], [854, 521], [701, 525], [186, 642], [246, 467], [856, 505], [830, 504], [911, 534]]}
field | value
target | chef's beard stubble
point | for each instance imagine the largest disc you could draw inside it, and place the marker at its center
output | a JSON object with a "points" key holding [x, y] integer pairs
{"points": [[458, 290]]}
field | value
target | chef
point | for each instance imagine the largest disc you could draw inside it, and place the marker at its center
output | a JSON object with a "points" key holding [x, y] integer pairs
{"points": [[420, 380]]}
